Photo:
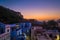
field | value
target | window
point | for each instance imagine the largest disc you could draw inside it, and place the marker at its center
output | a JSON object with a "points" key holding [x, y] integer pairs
{"points": [[8, 30]]}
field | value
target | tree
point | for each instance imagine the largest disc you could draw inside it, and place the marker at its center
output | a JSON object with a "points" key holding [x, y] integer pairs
{"points": [[52, 24], [44, 24]]}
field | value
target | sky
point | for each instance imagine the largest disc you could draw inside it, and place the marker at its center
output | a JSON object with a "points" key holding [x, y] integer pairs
{"points": [[35, 9]]}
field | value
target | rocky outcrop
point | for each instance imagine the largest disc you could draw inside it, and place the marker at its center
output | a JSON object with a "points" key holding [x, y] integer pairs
{"points": [[9, 16]]}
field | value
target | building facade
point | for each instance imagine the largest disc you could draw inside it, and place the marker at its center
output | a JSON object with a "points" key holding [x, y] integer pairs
{"points": [[35, 30], [16, 31], [5, 32]]}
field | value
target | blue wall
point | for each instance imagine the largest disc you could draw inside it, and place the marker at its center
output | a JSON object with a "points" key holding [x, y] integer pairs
{"points": [[23, 27], [2, 28]]}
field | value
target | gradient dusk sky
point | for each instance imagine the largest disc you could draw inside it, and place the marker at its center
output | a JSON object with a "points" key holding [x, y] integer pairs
{"points": [[35, 9]]}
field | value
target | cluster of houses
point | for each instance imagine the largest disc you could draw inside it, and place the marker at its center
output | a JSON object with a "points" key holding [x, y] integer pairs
{"points": [[20, 31], [38, 33], [14, 31]]}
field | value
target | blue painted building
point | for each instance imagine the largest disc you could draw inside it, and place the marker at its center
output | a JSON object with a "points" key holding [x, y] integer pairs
{"points": [[2, 28], [13, 31], [17, 31], [20, 31], [26, 26]]}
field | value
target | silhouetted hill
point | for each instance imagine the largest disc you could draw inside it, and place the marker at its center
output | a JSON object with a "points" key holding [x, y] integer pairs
{"points": [[9, 16]]}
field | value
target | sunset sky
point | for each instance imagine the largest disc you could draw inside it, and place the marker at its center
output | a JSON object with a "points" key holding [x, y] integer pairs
{"points": [[35, 9]]}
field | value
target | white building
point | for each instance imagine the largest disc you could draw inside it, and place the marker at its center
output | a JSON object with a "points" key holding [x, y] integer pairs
{"points": [[6, 35], [34, 31]]}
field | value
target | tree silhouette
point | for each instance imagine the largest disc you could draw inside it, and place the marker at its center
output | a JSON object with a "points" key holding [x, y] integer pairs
{"points": [[52, 24]]}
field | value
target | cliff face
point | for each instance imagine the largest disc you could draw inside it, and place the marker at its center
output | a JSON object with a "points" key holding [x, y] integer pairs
{"points": [[9, 16]]}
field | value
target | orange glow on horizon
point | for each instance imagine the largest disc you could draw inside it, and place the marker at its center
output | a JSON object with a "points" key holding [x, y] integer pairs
{"points": [[41, 14], [43, 17]]}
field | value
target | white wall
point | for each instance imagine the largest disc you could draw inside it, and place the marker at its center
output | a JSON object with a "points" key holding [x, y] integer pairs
{"points": [[7, 27]]}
